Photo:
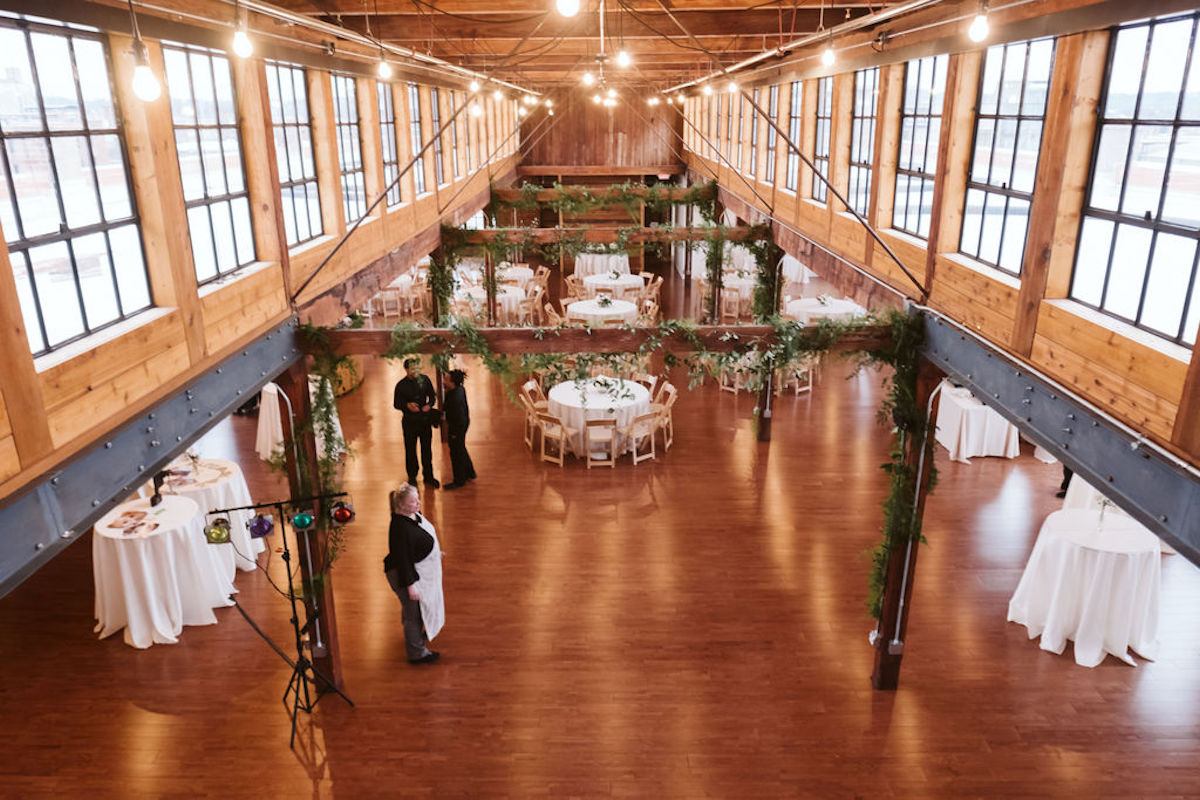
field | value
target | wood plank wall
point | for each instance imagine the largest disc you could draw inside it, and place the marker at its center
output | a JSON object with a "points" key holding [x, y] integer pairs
{"points": [[586, 134], [1128, 373], [73, 397]]}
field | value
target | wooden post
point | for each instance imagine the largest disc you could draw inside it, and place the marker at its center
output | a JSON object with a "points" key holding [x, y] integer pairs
{"points": [[311, 547], [902, 561]]}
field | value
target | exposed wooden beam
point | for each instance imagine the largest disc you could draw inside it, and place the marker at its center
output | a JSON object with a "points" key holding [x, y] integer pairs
{"points": [[599, 235], [516, 341], [546, 195], [601, 169]]}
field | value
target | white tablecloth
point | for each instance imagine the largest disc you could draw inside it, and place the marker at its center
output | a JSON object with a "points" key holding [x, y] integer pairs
{"points": [[742, 285], [403, 282], [966, 427], [598, 398], [1081, 494], [625, 285], [806, 310], [594, 313], [598, 263], [154, 572], [795, 272], [220, 484], [519, 275], [269, 435], [508, 300], [1097, 586]]}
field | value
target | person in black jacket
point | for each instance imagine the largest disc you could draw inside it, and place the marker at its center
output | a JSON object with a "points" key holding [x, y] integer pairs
{"points": [[415, 397], [458, 419], [413, 567]]}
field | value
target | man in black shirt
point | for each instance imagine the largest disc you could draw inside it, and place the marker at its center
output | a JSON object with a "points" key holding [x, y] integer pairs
{"points": [[415, 397], [458, 419]]}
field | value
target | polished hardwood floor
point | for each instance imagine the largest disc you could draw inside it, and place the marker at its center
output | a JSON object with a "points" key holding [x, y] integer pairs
{"points": [[691, 627]]}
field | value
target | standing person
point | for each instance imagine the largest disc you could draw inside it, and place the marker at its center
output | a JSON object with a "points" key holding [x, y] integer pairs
{"points": [[458, 419], [413, 567], [414, 396]]}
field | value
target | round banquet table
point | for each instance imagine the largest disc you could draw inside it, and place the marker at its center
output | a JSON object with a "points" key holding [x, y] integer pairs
{"points": [[807, 309], [742, 284], [154, 572], [1094, 580], [600, 263], [218, 483], [594, 313], [403, 282], [508, 299], [575, 402], [520, 275], [622, 285]]}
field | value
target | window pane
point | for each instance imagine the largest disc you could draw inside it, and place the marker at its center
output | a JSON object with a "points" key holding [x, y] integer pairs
{"points": [[1029, 142], [53, 58], [989, 89], [75, 176], [1128, 271], [1182, 204], [993, 222], [37, 202], [1016, 225], [131, 269], [93, 84], [23, 112], [1095, 238], [972, 222], [57, 292], [1193, 317], [213, 160], [1164, 78], [984, 138], [232, 150], [223, 83], [179, 86], [33, 328], [1147, 166], [202, 89], [1108, 170], [188, 150], [95, 279], [202, 245], [243, 234], [1167, 284], [114, 185], [222, 227]]}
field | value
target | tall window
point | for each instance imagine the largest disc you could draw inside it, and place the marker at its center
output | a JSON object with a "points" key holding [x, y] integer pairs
{"points": [[467, 135], [350, 164], [821, 149], [387, 139], [793, 157], [294, 152], [435, 122], [209, 149], [714, 141], [416, 138], [740, 129], [920, 127], [454, 132], [772, 135], [1138, 240], [1013, 86], [862, 138], [752, 167], [65, 201], [728, 128]]}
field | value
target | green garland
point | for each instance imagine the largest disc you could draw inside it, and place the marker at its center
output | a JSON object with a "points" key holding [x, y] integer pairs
{"points": [[574, 200]]}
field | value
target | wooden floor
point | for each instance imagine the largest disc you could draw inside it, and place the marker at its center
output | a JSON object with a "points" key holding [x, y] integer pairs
{"points": [[692, 627]]}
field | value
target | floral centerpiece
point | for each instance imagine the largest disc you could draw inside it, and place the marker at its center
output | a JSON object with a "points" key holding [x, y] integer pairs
{"points": [[823, 299], [604, 301], [615, 275]]}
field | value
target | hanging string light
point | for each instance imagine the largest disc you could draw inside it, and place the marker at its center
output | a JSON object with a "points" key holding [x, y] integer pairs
{"points": [[145, 84]]}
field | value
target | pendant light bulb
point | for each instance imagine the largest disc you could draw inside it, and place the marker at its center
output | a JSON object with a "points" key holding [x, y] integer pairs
{"points": [[568, 8], [520, 111], [828, 57], [624, 59], [550, 111], [242, 46], [476, 109], [145, 84], [706, 89], [596, 98], [497, 95], [588, 79], [732, 87], [979, 26], [473, 86], [385, 70]]}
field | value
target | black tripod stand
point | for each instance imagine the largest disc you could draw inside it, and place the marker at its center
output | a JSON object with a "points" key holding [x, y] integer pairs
{"points": [[304, 672]]}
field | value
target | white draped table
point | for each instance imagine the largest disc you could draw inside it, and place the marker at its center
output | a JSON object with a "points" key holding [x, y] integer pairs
{"points": [[807, 309], [622, 285], [597, 398], [154, 572], [269, 434], [1093, 580], [1081, 494], [598, 263], [508, 300], [594, 313], [217, 483], [742, 285], [967, 428], [514, 273]]}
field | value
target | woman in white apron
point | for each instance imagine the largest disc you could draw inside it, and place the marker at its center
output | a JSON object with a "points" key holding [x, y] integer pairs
{"points": [[413, 567]]}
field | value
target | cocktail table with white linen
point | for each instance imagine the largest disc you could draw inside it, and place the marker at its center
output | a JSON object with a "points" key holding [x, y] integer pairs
{"points": [[1093, 579], [593, 313], [967, 427], [517, 274], [598, 263], [619, 285], [217, 483], [153, 571], [807, 309], [508, 300], [575, 402]]}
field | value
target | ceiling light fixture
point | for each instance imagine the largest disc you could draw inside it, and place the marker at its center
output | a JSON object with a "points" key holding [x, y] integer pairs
{"points": [[732, 87], [611, 92], [520, 111], [476, 109], [588, 79], [385, 69], [242, 46], [596, 98], [473, 86], [706, 88], [828, 57], [568, 8], [624, 59], [979, 26], [652, 101], [550, 111], [497, 95], [145, 84]]}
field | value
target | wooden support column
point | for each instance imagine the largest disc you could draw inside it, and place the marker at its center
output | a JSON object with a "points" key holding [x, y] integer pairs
{"points": [[369, 135], [887, 146], [839, 141], [902, 561], [1186, 433], [325, 155], [24, 408], [311, 547]]}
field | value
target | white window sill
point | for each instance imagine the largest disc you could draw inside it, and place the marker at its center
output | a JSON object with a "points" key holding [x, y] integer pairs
{"points": [[1176, 351], [312, 244], [233, 277]]}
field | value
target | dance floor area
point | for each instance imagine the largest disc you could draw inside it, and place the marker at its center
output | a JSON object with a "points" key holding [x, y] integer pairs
{"points": [[694, 626]]}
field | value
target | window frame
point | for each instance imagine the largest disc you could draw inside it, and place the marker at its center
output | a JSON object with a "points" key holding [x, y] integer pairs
{"points": [[19, 246], [435, 124], [791, 176], [772, 134], [316, 227], [349, 132], [928, 176], [752, 167], [416, 137], [858, 186], [822, 132], [453, 111], [391, 166]]}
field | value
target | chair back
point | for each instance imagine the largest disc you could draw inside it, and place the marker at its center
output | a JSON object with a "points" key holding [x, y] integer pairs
{"points": [[552, 317], [600, 438]]}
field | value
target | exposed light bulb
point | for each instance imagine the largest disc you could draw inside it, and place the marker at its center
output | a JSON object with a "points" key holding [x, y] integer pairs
{"points": [[706, 89], [520, 111], [979, 27], [476, 109], [548, 102], [611, 92], [550, 111], [608, 101], [595, 98], [828, 57], [242, 46], [473, 86], [670, 100], [568, 8], [732, 87], [624, 59], [145, 84], [497, 95], [652, 101], [385, 71], [588, 79]]}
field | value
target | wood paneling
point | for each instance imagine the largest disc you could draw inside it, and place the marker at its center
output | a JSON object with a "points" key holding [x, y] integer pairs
{"points": [[240, 307], [586, 134]]}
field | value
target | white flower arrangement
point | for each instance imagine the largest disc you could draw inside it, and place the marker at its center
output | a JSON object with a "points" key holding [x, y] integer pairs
{"points": [[823, 299]]}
